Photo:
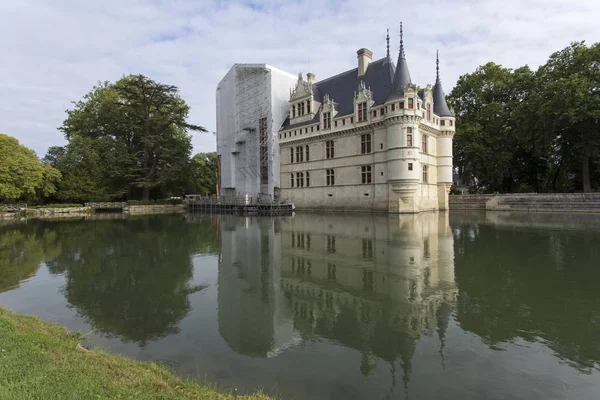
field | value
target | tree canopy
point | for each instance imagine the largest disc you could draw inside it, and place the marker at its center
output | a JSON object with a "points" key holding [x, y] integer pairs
{"points": [[126, 140], [522, 130], [22, 174]]}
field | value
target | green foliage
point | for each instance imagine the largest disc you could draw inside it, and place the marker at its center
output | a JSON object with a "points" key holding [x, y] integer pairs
{"points": [[525, 131], [22, 174], [203, 175], [127, 140], [3, 209], [73, 205]]}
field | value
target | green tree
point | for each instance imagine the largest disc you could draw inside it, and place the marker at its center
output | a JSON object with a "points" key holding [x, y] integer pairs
{"points": [[570, 105], [203, 175], [22, 174], [137, 129]]}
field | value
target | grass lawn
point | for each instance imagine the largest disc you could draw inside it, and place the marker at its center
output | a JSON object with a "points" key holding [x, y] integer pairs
{"points": [[39, 360]]}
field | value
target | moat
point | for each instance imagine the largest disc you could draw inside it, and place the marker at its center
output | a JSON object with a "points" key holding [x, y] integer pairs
{"points": [[459, 305]]}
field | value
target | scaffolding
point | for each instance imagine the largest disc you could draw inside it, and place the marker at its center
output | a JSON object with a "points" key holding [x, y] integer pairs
{"points": [[252, 105]]}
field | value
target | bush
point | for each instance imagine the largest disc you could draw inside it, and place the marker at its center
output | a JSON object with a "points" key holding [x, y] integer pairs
{"points": [[59, 206], [3, 209]]}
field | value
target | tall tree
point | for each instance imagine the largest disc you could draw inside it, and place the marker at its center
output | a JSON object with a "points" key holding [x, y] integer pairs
{"points": [[203, 175], [22, 174], [139, 131], [570, 105]]}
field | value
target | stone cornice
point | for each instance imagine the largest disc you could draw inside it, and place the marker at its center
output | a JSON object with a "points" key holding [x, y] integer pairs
{"points": [[322, 135]]}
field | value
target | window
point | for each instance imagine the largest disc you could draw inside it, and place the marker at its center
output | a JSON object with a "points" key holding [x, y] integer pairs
{"points": [[292, 180], [366, 174], [351, 120], [443, 123], [307, 185], [344, 121], [424, 143], [307, 154], [374, 114], [425, 173], [280, 136], [367, 248], [428, 111], [411, 104], [365, 143], [305, 130], [418, 106], [381, 146], [330, 272], [335, 123], [393, 107], [293, 111], [312, 128], [300, 109], [318, 127], [362, 112], [409, 141], [299, 179], [299, 154], [291, 155], [330, 177], [450, 122], [381, 111], [329, 149], [401, 105], [410, 166], [327, 120], [409, 130], [330, 244], [308, 106]]}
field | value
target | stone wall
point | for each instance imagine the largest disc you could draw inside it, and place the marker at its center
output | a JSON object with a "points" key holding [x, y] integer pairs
{"points": [[56, 211], [551, 202], [155, 209]]}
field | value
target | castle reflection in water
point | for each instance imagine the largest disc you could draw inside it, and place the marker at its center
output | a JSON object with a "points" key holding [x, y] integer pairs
{"points": [[373, 284]]}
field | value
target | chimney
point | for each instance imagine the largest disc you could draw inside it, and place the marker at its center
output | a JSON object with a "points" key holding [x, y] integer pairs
{"points": [[310, 78], [365, 56]]}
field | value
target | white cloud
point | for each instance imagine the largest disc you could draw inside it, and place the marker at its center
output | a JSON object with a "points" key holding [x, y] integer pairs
{"points": [[54, 51]]}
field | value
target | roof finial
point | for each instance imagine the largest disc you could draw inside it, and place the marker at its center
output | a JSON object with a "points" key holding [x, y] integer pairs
{"points": [[388, 43], [437, 66], [401, 41]]}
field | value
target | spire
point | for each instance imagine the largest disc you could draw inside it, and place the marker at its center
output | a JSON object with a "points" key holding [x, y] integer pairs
{"points": [[401, 76], [437, 67], [388, 43], [401, 42], [440, 107]]}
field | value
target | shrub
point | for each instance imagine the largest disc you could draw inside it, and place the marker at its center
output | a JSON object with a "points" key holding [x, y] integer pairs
{"points": [[154, 202], [59, 206], [3, 209]]}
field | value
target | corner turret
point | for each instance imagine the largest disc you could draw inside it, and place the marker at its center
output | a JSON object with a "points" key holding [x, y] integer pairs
{"points": [[402, 76], [440, 107]]}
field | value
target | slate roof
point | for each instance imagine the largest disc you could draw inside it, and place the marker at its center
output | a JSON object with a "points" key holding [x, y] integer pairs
{"points": [[440, 107], [341, 88]]}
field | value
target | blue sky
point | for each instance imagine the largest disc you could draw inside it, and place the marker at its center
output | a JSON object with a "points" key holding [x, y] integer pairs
{"points": [[54, 51]]}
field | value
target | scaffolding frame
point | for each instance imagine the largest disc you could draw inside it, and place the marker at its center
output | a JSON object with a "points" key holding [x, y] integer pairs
{"points": [[253, 115]]}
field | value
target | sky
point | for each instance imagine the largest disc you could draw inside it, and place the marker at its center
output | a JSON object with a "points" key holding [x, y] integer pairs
{"points": [[55, 51]]}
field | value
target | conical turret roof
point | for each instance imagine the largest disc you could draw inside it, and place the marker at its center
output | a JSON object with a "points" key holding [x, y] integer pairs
{"points": [[402, 76], [440, 107]]}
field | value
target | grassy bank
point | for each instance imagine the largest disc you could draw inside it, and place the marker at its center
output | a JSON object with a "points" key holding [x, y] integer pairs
{"points": [[39, 360]]}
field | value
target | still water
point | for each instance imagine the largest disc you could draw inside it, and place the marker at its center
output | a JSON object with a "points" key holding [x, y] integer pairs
{"points": [[434, 306]]}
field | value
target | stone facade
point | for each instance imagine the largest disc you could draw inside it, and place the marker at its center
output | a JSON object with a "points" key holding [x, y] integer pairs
{"points": [[367, 140]]}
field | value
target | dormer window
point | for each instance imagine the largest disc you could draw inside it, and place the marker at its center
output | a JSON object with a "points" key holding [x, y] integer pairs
{"points": [[401, 105], [327, 120], [411, 104], [362, 112], [308, 106], [293, 111], [300, 109], [393, 107]]}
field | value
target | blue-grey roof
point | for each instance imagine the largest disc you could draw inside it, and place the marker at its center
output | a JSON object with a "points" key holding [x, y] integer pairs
{"points": [[440, 107], [341, 88], [401, 78]]}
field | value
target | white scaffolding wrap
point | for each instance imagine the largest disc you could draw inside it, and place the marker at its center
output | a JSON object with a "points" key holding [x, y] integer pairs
{"points": [[252, 103]]}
